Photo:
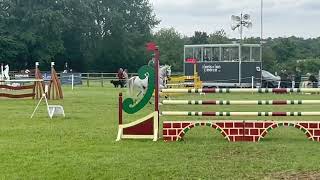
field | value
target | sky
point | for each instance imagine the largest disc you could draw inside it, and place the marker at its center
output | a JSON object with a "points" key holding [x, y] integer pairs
{"points": [[282, 18]]}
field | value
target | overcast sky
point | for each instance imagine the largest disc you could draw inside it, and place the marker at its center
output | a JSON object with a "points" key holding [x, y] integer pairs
{"points": [[281, 17]]}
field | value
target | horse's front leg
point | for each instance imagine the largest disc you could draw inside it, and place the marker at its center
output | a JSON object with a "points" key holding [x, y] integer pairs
{"points": [[139, 94]]}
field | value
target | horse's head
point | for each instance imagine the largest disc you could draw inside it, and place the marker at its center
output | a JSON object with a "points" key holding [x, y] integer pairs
{"points": [[166, 70]]}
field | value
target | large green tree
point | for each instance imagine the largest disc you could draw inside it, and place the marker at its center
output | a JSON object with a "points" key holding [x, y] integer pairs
{"points": [[34, 29], [171, 45], [125, 28], [199, 38], [218, 37]]}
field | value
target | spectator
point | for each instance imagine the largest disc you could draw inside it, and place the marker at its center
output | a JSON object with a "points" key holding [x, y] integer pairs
{"points": [[121, 77], [284, 79], [313, 80], [297, 79], [120, 74]]}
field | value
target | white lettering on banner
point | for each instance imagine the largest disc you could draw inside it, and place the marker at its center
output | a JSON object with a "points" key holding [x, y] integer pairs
{"points": [[211, 68]]}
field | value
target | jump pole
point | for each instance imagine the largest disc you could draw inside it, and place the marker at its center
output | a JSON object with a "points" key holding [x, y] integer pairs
{"points": [[154, 48], [237, 90], [240, 102], [157, 66], [120, 109], [222, 114]]}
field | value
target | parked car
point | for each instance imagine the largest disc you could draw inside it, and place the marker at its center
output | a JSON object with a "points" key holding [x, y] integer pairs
{"points": [[269, 80]]}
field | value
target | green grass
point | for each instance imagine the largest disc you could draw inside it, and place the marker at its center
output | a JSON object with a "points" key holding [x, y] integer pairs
{"points": [[82, 146]]}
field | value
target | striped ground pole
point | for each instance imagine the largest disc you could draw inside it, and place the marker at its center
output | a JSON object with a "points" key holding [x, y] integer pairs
{"points": [[244, 90], [186, 113], [239, 102]]}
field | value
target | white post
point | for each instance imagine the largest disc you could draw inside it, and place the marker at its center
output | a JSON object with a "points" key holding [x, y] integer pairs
{"points": [[6, 72], [2, 74], [279, 84], [252, 82], [46, 88], [318, 79], [293, 84], [72, 81]]}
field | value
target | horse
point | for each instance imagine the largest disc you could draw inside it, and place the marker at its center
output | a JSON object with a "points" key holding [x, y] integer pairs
{"points": [[135, 83]]}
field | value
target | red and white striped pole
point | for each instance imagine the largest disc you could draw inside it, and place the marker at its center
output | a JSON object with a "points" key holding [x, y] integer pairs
{"points": [[157, 66], [120, 108]]}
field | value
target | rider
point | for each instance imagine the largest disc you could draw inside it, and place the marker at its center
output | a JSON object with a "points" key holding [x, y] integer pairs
{"points": [[151, 62]]}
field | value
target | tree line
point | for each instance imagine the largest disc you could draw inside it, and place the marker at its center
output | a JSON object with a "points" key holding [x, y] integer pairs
{"points": [[91, 35], [104, 35]]}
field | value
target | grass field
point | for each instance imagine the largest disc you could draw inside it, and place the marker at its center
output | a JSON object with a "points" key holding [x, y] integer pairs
{"points": [[82, 146]]}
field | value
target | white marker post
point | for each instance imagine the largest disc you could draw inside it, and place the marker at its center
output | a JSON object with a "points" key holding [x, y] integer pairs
{"points": [[72, 81], [293, 84], [252, 82], [2, 74]]}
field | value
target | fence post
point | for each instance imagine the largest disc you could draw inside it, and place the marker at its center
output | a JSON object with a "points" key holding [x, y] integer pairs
{"points": [[293, 84], [88, 79], [101, 79], [252, 82], [72, 81]]}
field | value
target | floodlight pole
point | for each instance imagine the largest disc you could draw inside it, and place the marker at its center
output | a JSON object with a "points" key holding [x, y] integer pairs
{"points": [[240, 49], [244, 21], [261, 38]]}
